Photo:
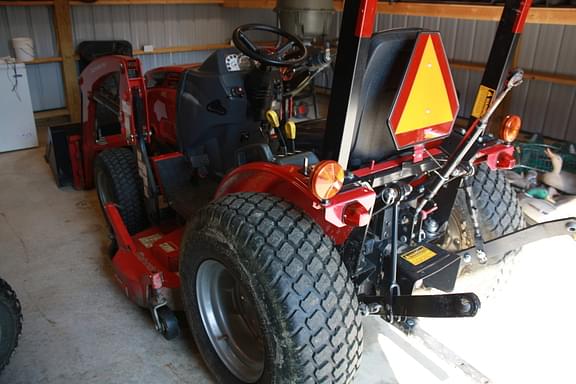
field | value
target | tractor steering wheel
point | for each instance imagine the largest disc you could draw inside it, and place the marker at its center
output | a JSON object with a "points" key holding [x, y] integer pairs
{"points": [[289, 53]]}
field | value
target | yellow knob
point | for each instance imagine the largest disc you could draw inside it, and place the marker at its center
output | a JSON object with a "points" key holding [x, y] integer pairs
{"points": [[273, 118], [290, 129]]}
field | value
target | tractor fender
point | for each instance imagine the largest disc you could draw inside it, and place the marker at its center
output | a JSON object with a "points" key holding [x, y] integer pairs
{"points": [[286, 182]]}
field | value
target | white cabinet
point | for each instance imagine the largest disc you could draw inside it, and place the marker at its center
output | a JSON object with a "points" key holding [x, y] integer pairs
{"points": [[17, 125]]}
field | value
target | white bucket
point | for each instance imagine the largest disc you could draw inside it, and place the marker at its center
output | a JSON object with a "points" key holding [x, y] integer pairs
{"points": [[23, 48]]}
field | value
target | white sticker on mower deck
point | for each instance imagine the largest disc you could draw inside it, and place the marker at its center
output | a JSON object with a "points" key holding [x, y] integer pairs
{"points": [[167, 247], [127, 112], [418, 255], [148, 241]]}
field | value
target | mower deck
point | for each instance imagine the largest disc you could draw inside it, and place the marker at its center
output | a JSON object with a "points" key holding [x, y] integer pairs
{"points": [[147, 261]]}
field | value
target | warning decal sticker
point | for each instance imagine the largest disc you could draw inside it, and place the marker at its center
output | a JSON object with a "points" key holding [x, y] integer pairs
{"points": [[483, 101], [418, 255]]}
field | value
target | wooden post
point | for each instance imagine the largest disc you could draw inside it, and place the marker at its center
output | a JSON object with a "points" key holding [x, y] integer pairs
{"points": [[63, 27]]}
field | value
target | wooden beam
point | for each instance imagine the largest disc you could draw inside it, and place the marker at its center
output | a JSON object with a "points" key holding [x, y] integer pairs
{"points": [[194, 48], [551, 78], [250, 3], [41, 115], [182, 48], [537, 15], [44, 60], [18, 3], [528, 75], [557, 16], [451, 11], [63, 27], [146, 2]]}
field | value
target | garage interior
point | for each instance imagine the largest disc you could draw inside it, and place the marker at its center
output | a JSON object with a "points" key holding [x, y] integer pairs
{"points": [[79, 327]]}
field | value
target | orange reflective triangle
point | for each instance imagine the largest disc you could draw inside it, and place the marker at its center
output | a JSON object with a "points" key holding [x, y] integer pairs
{"points": [[428, 103]]}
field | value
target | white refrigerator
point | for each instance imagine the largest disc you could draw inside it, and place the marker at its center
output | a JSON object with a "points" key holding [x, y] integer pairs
{"points": [[17, 125]]}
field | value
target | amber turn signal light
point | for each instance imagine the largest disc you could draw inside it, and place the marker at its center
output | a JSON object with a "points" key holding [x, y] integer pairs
{"points": [[510, 128], [327, 179]]}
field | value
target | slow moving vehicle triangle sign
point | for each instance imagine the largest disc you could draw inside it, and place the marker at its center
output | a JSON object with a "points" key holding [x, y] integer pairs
{"points": [[426, 105]]}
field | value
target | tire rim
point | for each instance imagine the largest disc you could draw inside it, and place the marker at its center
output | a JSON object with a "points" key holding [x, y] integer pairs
{"points": [[104, 188], [456, 236], [230, 321]]}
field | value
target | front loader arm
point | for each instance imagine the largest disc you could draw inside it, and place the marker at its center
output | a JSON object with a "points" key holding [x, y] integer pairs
{"points": [[111, 83]]}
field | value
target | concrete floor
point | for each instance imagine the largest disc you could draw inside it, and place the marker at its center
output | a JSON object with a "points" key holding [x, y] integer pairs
{"points": [[79, 328]]}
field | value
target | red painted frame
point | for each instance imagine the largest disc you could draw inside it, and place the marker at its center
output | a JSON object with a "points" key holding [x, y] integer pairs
{"points": [[287, 182], [141, 266], [130, 82], [162, 101]]}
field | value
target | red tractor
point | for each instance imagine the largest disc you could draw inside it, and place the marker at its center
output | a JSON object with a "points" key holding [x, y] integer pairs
{"points": [[278, 236]]}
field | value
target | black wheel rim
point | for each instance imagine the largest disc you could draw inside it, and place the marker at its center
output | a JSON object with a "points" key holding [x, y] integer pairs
{"points": [[104, 188], [230, 321], [456, 237]]}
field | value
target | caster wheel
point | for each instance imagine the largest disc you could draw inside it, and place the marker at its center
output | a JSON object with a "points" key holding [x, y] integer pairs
{"points": [[170, 328]]}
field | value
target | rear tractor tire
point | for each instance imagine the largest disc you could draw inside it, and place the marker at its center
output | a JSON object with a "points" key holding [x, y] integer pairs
{"points": [[117, 181], [10, 323], [499, 213], [267, 296]]}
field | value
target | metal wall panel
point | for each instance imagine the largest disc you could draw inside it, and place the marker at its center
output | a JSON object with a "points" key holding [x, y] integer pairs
{"points": [[546, 108], [46, 86], [163, 25], [44, 80]]}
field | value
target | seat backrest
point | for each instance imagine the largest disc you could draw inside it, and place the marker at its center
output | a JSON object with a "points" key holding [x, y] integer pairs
{"points": [[212, 122], [389, 55], [90, 50]]}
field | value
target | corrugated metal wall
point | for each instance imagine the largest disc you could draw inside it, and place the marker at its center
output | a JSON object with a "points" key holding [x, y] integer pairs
{"points": [[549, 108], [45, 80], [164, 26], [159, 25], [546, 108]]}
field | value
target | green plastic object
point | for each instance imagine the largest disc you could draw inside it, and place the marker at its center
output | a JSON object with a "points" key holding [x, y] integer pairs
{"points": [[532, 156], [538, 193]]}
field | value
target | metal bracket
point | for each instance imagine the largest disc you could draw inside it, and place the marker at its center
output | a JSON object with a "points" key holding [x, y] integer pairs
{"points": [[154, 309], [526, 236], [403, 306], [478, 239]]}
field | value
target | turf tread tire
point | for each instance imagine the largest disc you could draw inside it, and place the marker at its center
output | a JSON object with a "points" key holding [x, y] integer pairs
{"points": [[121, 167], [308, 296], [10, 313], [499, 213], [498, 206]]}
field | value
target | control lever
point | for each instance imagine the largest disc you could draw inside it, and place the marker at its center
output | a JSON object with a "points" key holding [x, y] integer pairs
{"points": [[290, 131]]}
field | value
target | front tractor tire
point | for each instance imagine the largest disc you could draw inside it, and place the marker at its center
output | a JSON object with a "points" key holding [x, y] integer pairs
{"points": [[267, 296], [499, 213], [117, 181], [10, 323]]}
